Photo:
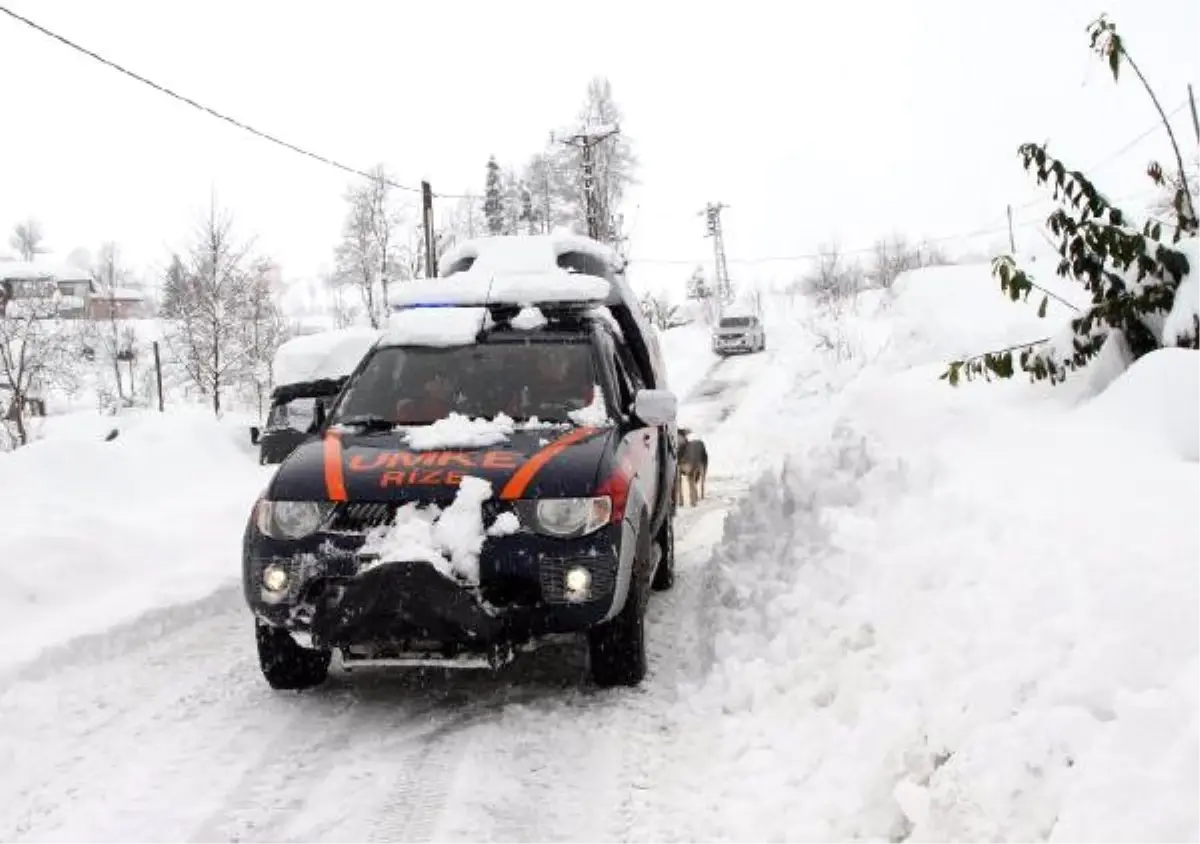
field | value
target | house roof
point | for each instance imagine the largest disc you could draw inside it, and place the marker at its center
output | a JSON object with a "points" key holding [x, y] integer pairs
{"points": [[34, 270]]}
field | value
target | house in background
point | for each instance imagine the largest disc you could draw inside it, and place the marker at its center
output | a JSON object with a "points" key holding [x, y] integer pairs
{"points": [[41, 280], [79, 295], [118, 303]]}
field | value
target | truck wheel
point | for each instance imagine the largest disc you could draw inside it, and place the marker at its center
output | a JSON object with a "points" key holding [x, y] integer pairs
{"points": [[285, 664], [664, 575], [618, 647]]}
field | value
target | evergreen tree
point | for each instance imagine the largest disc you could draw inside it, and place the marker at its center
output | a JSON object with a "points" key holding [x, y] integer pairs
{"points": [[493, 200]]}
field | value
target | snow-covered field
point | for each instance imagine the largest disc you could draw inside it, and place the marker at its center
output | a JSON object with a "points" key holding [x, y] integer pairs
{"points": [[97, 532], [904, 612]]}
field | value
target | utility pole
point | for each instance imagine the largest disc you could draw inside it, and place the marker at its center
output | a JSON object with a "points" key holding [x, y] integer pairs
{"points": [[1012, 242], [1195, 117], [158, 376], [712, 214], [599, 226], [427, 217]]}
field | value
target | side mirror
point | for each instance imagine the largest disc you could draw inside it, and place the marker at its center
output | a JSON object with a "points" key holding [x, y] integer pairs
{"points": [[255, 433], [655, 407]]}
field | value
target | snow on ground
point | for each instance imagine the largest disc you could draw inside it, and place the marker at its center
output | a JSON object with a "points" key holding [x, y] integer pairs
{"points": [[96, 533], [688, 353], [897, 616], [955, 614]]}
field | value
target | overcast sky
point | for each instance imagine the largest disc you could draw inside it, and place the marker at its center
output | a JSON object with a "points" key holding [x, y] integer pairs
{"points": [[841, 119]]}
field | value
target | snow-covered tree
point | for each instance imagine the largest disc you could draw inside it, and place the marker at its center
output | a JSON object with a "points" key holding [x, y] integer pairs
{"points": [[356, 257], [35, 353], [528, 219], [111, 275], [511, 201], [493, 198], [264, 329], [895, 255], [176, 289], [552, 200], [659, 311], [832, 279], [367, 258], [697, 285], [614, 162], [208, 337], [386, 219], [26, 239]]}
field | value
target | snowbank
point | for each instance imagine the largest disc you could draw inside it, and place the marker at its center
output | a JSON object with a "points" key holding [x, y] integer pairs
{"points": [[1156, 402], [687, 351], [95, 533], [950, 614], [947, 312]]}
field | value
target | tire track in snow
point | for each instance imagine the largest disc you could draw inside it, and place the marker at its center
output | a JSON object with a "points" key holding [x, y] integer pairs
{"points": [[587, 768], [151, 715]]}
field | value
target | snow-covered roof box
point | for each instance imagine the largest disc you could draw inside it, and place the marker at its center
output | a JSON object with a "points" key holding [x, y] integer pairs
{"points": [[531, 253], [476, 289], [538, 270], [325, 355]]}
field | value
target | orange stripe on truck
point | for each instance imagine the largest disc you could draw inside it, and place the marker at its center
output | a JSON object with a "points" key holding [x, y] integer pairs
{"points": [[521, 479], [335, 481]]}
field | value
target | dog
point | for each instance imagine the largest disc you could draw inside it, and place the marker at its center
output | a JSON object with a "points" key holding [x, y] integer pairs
{"points": [[693, 467]]}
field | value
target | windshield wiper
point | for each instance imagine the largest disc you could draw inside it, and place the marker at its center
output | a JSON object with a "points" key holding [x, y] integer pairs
{"points": [[369, 422]]}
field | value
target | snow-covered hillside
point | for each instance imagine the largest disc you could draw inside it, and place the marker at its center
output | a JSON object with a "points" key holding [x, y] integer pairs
{"points": [[954, 614], [904, 612], [97, 532]]}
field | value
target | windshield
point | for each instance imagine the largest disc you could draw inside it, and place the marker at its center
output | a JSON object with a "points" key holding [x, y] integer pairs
{"points": [[737, 322], [417, 386], [298, 413]]}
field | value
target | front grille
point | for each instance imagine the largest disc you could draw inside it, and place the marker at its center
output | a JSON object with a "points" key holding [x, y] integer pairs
{"points": [[552, 574], [362, 516]]}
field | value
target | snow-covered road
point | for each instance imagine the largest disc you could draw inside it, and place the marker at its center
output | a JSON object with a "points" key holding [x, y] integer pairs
{"points": [[163, 729]]}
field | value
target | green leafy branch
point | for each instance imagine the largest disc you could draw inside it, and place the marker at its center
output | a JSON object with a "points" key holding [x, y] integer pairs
{"points": [[1110, 46], [1096, 248]]}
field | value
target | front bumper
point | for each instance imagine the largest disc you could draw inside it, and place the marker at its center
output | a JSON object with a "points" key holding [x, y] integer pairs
{"points": [[340, 600]]}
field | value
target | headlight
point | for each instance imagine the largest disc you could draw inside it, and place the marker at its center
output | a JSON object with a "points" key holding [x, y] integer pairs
{"points": [[565, 517], [290, 519]]}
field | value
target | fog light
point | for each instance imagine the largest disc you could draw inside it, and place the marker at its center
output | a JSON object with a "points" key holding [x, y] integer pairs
{"points": [[275, 578], [578, 583]]}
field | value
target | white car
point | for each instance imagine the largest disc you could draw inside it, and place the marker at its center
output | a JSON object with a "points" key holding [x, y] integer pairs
{"points": [[742, 333]]}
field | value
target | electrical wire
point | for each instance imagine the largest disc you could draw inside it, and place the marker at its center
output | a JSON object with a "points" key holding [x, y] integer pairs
{"points": [[331, 162]]}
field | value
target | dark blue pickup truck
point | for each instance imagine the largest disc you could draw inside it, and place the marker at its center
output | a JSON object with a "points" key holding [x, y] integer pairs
{"points": [[542, 425]]}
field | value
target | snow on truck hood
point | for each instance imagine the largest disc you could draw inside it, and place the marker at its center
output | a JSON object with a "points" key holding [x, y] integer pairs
{"points": [[412, 465]]}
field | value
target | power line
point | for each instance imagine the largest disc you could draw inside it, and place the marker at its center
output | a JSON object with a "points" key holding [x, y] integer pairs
{"points": [[814, 255], [213, 112]]}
